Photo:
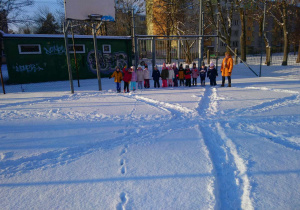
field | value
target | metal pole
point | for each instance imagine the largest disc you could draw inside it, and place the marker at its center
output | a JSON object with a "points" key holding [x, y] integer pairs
{"points": [[200, 43], [178, 53], [136, 56], [66, 26], [153, 53], [96, 56], [217, 44], [2, 82], [75, 57], [262, 38]]}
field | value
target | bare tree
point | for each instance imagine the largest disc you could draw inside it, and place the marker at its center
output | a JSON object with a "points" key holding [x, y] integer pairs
{"points": [[295, 29], [11, 11], [281, 12], [225, 11], [243, 8], [174, 17], [258, 15]]}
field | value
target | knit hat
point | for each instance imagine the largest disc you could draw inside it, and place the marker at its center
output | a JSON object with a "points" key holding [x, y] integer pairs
{"points": [[211, 64], [155, 66]]}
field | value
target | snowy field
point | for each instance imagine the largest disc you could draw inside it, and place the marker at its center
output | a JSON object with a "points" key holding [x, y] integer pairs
{"points": [[168, 148]]}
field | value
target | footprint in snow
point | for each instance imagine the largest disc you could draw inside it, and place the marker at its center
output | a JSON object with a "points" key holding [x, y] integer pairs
{"points": [[124, 150], [124, 199], [122, 162], [123, 170]]}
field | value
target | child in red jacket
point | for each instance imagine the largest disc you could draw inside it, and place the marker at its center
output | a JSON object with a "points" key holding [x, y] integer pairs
{"points": [[126, 78], [187, 76]]}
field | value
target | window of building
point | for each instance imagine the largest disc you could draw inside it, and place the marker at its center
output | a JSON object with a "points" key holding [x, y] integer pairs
{"points": [[106, 48], [29, 49], [235, 44], [142, 18], [80, 48], [236, 22]]}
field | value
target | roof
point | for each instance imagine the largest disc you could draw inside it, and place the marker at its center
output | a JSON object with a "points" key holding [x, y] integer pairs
{"points": [[61, 36]]}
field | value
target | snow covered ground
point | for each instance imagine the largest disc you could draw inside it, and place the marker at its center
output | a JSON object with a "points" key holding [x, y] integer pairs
{"points": [[168, 148]]}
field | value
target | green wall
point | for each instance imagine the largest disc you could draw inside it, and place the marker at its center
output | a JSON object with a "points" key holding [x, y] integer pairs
{"points": [[51, 64]]}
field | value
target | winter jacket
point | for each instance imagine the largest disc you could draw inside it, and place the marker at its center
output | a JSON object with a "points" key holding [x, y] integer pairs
{"points": [[134, 76], [127, 75], [181, 74], [117, 75], [171, 74], [140, 75], [226, 67], [195, 73], [203, 71], [176, 71], [187, 73], [164, 74], [212, 73], [146, 73], [156, 75]]}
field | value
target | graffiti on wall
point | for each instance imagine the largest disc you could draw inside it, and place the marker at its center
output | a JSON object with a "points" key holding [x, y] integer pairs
{"points": [[55, 50], [107, 61], [29, 68]]}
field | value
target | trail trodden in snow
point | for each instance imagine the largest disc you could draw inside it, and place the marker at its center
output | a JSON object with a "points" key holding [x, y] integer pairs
{"points": [[171, 148]]}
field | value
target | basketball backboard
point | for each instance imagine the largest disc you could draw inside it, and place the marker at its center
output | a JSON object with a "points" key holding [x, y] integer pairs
{"points": [[82, 9]]}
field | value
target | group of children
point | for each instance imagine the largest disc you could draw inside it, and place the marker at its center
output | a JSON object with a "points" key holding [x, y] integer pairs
{"points": [[170, 75]]}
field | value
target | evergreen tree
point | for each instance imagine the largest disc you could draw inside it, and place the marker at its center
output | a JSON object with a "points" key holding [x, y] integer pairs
{"points": [[48, 25]]}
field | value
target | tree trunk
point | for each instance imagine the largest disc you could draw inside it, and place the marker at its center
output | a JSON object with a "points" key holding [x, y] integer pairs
{"points": [[235, 56], [243, 34], [169, 48], [208, 57], [268, 55], [285, 36], [268, 50], [298, 57]]}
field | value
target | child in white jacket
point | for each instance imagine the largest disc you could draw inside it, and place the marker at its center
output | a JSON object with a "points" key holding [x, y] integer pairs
{"points": [[146, 77], [171, 76]]}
